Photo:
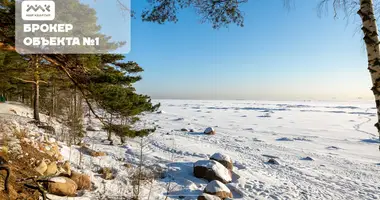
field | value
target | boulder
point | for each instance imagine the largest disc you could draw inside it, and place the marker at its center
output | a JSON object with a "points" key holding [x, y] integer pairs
{"points": [[223, 159], [51, 169], [42, 167], [206, 196], [66, 166], [83, 181], [212, 170], [218, 189], [184, 130], [64, 169], [209, 131], [62, 186]]}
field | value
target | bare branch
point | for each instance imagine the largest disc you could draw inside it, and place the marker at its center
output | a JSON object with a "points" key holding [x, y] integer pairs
{"points": [[25, 81]]}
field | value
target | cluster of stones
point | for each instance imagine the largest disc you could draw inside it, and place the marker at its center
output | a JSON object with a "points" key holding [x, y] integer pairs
{"points": [[217, 170]]}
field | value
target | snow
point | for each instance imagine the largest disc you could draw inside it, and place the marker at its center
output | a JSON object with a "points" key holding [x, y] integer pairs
{"points": [[58, 180], [338, 136], [292, 130], [216, 186], [221, 157]]}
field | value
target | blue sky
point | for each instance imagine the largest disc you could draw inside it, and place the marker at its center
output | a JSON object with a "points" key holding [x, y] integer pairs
{"points": [[280, 54]]}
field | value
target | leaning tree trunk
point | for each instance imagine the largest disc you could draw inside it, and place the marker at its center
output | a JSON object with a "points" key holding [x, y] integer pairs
{"points": [[36, 106], [371, 39]]}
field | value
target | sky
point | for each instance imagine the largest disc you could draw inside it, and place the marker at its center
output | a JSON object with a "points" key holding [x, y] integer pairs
{"points": [[280, 54]]}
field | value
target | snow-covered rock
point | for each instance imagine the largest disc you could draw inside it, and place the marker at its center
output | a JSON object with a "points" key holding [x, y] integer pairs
{"points": [[212, 170], [223, 159], [218, 189], [210, 131]]}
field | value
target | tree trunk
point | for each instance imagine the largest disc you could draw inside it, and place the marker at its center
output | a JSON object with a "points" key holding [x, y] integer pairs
{"points": [[52, 111], [109, 131], [36, 113], [23, 96], [371, 39]]}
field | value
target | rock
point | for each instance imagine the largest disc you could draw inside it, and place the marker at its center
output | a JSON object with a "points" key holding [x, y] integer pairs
{"points": [[212, 170], [51, 169], [210, 131], [91, 152], [273, 161], [42, 167], [106, 173], [218, 189], [206, 196], [59, 157], [128, 165], [191, 131], [90, 128], [307, 158], [97, 154], [83, 181], [66, 166], [223, 159], [62, 186], [185, 130]]}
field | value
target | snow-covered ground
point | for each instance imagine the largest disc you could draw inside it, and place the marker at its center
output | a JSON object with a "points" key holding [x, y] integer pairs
{"points": [[339, 137]]}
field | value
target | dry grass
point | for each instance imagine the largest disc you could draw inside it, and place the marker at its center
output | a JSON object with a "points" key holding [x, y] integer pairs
{"points": [[21, 133]]}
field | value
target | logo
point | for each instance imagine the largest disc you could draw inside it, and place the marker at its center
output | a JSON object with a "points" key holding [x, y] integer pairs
{"points": [[38, 10]]}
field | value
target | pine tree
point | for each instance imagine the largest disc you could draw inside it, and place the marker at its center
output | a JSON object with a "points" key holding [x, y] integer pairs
{"points": [[105, 82]]}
